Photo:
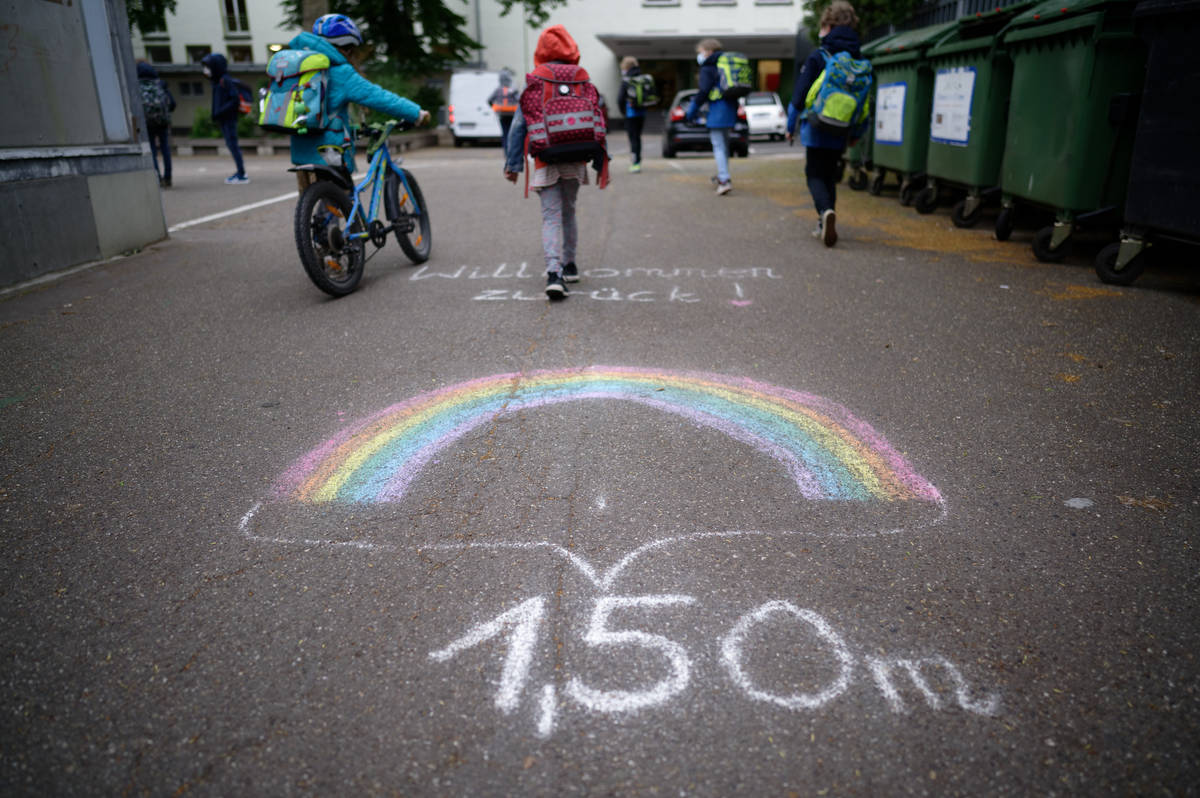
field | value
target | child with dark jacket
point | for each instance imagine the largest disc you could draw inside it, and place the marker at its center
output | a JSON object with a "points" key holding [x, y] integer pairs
{"points": [[159, 134], [824, 150], [722, 113], [635, 115], [225, 102]]}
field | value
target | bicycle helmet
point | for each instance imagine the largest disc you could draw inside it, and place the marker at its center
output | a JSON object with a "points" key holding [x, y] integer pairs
{"points": [[339, 29]]}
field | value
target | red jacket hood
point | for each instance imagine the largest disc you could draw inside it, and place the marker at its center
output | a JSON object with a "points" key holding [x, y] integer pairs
{"points": [[555, 44]]}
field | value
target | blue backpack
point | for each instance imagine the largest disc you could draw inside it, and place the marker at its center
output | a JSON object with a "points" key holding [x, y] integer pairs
{"points": [[296, 100], [840, 97]]}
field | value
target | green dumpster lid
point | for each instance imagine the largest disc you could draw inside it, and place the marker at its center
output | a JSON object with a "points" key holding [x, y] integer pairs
{"points": [[913, 40], [981, 31], [872, 46], [1051, 10]]}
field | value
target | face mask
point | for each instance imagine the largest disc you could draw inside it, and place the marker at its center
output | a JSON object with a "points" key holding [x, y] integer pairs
{"points": [[207, 72], [701, 58]]}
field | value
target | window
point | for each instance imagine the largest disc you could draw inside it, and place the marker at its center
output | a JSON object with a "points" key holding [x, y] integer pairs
{"points": [[235, 16], [240, 54], [660, 2], [718, 2], [195, 52], [158, 53], [772, 2]]}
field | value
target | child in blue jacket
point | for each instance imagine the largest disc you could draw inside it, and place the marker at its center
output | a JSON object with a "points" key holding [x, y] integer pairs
{"points": [[225, 102], [824, 150], [722, 113], [336, 36]]}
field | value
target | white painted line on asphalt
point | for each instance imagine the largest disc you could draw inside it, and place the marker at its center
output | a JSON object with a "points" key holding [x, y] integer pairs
{"points": [[232, 211]]}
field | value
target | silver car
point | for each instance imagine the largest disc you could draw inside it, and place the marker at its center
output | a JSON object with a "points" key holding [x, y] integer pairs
{"points": [[766, 114]]}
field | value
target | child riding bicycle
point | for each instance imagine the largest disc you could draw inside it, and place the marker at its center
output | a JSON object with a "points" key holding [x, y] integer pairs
{"points": [[336, 36]]}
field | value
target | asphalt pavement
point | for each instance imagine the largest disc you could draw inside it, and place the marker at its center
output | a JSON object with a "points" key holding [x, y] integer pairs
{"points": [[915, 515]]}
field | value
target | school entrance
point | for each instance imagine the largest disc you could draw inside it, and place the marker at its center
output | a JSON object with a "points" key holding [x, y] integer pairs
{"points": [[671, 59]]}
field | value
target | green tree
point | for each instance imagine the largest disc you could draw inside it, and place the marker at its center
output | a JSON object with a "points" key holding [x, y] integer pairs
{"points": [[871, 13], [149, 15], [390, 28]]}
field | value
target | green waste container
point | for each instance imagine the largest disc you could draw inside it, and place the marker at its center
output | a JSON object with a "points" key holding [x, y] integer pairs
{"points": [[904, 91], [858, 157], [1078, 70], [972, 76]]}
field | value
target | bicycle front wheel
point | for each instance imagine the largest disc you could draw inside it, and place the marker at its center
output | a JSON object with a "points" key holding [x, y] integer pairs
{"points": [[406, 209], [332, 260]]}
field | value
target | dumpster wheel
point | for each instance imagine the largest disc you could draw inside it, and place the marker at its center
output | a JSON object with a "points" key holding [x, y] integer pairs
{"points": [[1041, 247], [859, 180], [875, 188], [963, 219], [1106, 266], [926, 200], [1004, 224]]}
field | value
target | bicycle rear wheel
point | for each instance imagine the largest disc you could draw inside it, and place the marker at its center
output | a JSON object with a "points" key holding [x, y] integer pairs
{"points": [[408, 211], [332, 261]]}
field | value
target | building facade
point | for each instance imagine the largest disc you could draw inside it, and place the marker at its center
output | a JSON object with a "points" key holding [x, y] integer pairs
{"points": [[661, 34], [246, 32]]}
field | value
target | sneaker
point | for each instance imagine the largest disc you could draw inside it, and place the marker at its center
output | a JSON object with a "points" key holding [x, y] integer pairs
{"points": [[635, 168], [555, 287], [237, 180], [724, 188], [829, 227], [819, 232], [570, 273], [164, 182]]}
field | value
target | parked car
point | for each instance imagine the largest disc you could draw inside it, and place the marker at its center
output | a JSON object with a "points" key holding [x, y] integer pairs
{"points": [[766, 115], [683, 135]]}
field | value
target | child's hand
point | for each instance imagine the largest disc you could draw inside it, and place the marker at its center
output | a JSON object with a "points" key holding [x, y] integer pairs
{"points": [[423, 118], [510, 176]]}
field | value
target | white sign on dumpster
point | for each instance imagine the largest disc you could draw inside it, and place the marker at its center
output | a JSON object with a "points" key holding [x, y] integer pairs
{"points": [[889, 113], [950, 121]]}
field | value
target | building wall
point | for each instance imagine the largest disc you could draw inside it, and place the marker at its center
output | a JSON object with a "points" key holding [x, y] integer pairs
{"points": [[201, 23], [508, 42], [76, 179], [198, 27]]}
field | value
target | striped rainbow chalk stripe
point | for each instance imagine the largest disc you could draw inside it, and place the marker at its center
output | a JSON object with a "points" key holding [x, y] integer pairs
{"points": [[827, 451]]}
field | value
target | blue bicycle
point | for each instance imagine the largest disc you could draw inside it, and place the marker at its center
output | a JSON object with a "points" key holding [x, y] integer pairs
{"points": [[336, 219]]}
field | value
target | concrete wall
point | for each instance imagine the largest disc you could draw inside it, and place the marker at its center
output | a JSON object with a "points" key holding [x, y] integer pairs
{"points": [[76, 179]]}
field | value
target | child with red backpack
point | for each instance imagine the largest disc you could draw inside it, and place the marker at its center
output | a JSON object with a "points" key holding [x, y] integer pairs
{"points": [[560, 124]]}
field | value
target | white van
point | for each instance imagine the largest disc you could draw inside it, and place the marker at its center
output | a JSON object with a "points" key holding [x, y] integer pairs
{"points": [[471, 116]]}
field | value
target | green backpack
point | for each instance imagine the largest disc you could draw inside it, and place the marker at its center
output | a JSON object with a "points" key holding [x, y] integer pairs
{"points": [[642, 91], [734, 80]]}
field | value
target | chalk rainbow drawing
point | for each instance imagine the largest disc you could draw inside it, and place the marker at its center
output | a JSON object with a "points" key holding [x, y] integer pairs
{"points": [[828, 452]]}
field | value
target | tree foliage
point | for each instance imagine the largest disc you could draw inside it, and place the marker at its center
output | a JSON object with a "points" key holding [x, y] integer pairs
{"points": [[149, 15], [871, 14], [418, 36]]}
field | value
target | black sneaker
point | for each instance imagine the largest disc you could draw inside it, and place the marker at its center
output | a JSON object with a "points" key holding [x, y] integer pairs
{"points": [[555, 287], [571, 273]]}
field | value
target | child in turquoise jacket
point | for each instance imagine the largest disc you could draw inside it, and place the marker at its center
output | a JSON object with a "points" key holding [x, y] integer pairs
{"points": [[336, 36]]}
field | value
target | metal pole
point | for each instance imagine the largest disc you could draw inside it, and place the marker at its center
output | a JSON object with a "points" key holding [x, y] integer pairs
{"points": [[479, 33]]}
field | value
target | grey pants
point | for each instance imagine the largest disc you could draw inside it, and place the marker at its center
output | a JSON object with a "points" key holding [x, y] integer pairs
{"points": [[560, 233]]}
